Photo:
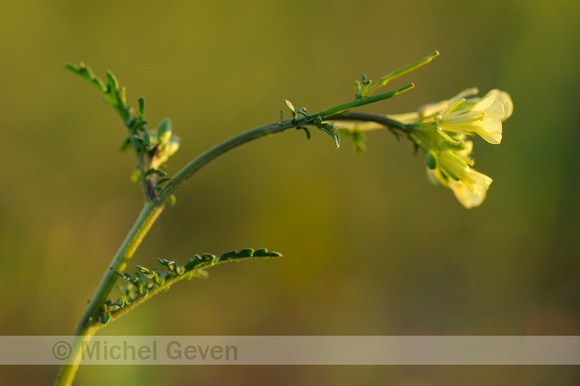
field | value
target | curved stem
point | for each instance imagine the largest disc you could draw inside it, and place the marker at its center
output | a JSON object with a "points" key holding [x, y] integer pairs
{"points": [[89, 322], [191, 168], [332, 113], [392, 124]]}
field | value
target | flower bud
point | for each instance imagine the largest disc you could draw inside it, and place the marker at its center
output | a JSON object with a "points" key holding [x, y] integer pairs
{"points": [[431, 160]]}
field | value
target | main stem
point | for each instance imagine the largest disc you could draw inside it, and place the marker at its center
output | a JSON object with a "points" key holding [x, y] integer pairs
{"points": [[89, 322]]}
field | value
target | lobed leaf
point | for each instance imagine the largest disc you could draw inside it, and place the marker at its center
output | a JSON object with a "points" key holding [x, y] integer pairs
{"points": [[145, 281]]}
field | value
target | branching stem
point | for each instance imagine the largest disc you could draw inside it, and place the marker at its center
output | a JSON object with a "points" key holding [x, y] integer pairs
{"points": [[89, 322]]}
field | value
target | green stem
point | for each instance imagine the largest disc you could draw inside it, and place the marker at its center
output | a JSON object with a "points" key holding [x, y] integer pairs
{"points": [[148, 188], [371, 117], [190, 169], [390, 123], [89, 322], [324, 114], [401, 71], [264, 130]]}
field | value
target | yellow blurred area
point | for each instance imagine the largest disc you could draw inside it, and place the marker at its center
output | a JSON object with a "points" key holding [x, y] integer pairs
{"points": [[370, 246]]}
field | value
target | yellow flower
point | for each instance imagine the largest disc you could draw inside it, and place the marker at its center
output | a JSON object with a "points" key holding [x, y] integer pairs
{"points": [[466, 197], [440, 130], [476, 116], [453, 170], [429, 110]]}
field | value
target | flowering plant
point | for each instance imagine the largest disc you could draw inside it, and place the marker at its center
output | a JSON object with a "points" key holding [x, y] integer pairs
{"points": [[439, 130]]}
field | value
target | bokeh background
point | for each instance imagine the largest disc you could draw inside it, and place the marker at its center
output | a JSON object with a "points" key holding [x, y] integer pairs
{"points": [[370, 246]]}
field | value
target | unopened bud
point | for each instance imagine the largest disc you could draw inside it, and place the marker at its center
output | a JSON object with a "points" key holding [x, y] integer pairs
{"points": [[431, 160]]}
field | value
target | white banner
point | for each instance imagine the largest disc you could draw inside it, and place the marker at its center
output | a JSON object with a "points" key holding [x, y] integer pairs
{"points": [[295, 350]]}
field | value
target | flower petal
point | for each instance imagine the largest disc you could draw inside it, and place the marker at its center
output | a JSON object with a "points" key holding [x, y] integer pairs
{"points": [[490, 129], [464, 196]]}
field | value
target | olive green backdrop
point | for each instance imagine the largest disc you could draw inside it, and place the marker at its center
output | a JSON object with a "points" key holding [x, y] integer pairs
{"points": [[370, 246]]}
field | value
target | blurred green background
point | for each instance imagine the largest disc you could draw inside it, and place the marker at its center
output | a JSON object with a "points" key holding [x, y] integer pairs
{"points": [[370, 246]]}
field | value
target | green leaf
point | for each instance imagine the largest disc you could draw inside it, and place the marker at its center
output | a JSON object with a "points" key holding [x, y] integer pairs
{"points": [[306, 130], [357, 89], [190, 265], [137, 124], [261, 252], [122, 98], [330, 130], [303, 112], [336, 139], [126, 276], [73, 67], [365, 81], [246, 252], [147, 143], [141, 108], [164, 131], [158, 279], [147, 282], [112, 83], [155, 171], [290, 106], [228, 254], [86, 72], [120, 302], [126, 144], [143, 269], [104, 318], [159, 186]]}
